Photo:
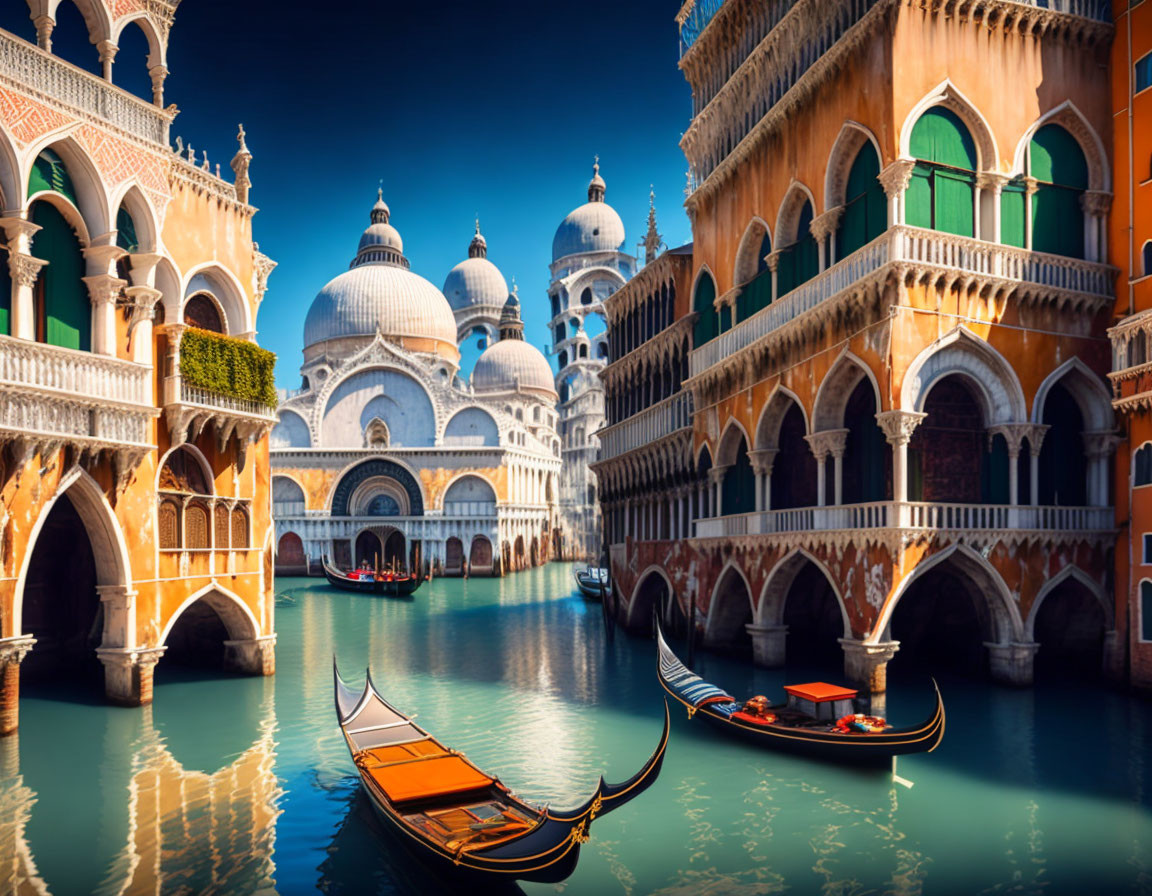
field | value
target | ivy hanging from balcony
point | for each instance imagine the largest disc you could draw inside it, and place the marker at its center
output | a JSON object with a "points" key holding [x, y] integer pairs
{"points": [[228, 366]]}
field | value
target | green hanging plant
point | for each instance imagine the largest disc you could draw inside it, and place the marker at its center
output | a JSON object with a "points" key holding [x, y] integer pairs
{"points": [[228, 366]]}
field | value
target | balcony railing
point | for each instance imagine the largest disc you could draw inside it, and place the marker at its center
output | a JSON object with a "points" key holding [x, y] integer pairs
{"points": [[193, 395], [662, 419], [50, 391], [909, 245], [30, 68], [910, 515]]}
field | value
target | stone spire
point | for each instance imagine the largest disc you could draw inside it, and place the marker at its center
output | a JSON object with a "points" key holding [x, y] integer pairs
{"points": [[596, 187], [652, 239], [380, 211], [511, 327], [240, 163], [478, 248]]}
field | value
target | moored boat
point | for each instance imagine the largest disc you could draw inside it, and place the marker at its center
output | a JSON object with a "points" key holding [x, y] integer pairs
{"points": [[593, 582], [817, 719], [446, 809], [366, 581]]}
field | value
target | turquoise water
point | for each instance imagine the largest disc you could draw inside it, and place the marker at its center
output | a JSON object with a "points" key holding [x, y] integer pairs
{"points": [[238, 785]]}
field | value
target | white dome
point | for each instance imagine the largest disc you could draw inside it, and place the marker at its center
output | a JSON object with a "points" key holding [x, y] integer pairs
{"points": [[475, 281], [381, 235], [593, 227], [379, 296], [509, 362]]}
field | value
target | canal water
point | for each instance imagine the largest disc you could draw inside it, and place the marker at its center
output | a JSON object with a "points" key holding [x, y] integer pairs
{"points": [[241, 785]]}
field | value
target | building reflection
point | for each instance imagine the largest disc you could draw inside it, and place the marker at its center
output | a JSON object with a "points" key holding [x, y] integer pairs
{"points": [[154, 825]]}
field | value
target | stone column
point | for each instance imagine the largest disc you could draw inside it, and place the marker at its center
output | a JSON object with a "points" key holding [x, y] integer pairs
{"points": [[128, 673], [1030, 187], [823, 228], [44, 26], [830, 442], [24, 269], [107, 51], [12, 653], [1096, 205], [768, 644], [866, 665], [763, 459], [119, 610], [103, 291], [1036, 433], [773, 259], [898, 427], [1012, 663], [1014, 435], [895, 179], [252, 657], [990, 184], [716, 478], [141, 301], [158, 73], [1098, 448]]}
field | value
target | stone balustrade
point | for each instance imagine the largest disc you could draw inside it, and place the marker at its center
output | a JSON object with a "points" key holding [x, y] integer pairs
{"points": [[48, 393], [655, 422], [191, 408], [79, 93], [911, 247], [910, 515]]}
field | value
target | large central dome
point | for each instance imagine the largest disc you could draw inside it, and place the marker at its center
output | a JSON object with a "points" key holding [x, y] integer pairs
{"points": [[593, 227], [380, 293]]}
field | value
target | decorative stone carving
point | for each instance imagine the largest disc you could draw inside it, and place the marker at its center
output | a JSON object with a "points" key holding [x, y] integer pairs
{"points": [[1096, 203], [830, 442], [24, 269], [896, 177], [1100, 444], [825, 225], [867, 664], [263, 268], [898, 425]]}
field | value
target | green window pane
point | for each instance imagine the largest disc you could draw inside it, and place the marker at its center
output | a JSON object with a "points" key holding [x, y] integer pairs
{"points": [[786, 271], [126, 231], [1012, 215], [918, 199], [1146, 611], [67, 313], [1057, 221], [953, 202], [853, 231], [940, 136], [705, 329], [49, 173], [1056, 158]]}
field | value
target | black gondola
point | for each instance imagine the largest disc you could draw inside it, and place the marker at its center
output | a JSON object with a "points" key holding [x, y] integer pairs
{"points": [[445, 808], [386, 584], [592, 582], [792, 729]]}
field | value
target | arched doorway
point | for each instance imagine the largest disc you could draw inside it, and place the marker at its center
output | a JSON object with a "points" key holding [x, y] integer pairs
{"points": [[942, 622], [61, 607], [480, 557], [794, 471], [198, 635], [729, 614], [814, 620], [1069, 628], [369, 550], [1063, 466], [867, 471], [394, 550], [290, 558], [453, 557]]}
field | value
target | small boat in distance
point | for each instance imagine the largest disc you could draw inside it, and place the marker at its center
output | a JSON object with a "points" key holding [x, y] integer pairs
{"points": [[593, 582], [368, 581], [818, 719], [445, 808]]}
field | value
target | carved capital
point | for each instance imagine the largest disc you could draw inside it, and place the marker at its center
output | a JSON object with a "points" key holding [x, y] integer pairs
{"points": [[763, 460], [831, 441], [24, 269], [899, 425], [773, 260], [716, 474], [139, 303], [896, 177], [1035, 434], [126, 657], [263, 266], [104, 288], [1096, 203], [13, 650], [1014, 435], [18, 231], [1100, 444], [992, 180], [107, 50], [824, 225]]}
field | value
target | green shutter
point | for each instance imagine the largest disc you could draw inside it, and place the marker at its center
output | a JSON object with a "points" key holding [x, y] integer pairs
{"points": [[765, 251], [725, 318], [49, 173], [953, 202], [738, 491], [1012, 215], [786, 271], [1057, 221], [940, 136], [67, 311], [994, 473], [126, 237], [866, 211], [756, 294], [853, 231], [705, 329], [918, 198], [5, 296], [1056, 158]]}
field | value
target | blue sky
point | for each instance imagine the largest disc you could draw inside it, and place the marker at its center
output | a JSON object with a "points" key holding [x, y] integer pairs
{"points": [[462, 109]]}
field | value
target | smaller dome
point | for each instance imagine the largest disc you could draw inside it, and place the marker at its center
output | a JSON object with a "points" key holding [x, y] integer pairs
{"points": [[381, 236], [510, 363], [593, 227], [475, 280]]}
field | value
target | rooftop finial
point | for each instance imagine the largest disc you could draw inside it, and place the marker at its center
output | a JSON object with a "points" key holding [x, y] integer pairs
{"points": [[652, 239], [511, 326], [478, 248], [240, 164], [380, 211], [596, 186]]}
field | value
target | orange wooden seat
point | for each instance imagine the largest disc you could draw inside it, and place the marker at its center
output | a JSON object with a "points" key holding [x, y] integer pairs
{"points": [[429, 778], [819, 691], [400, 753]]}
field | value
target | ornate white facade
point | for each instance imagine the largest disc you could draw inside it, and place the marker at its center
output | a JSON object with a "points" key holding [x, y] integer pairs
{"points": [[587, 267], [386, 445]]}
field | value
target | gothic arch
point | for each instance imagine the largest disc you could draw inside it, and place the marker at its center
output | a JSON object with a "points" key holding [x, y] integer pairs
{"points": [[748, 254], [788, 218], [705, 268], [836, 388], [109, 547], [168, 281], [1086, 389], [961, 352], [945, 94], [770, 608], [237, 617], [632, 620], [726, 452], [768, 426], [1073, 121], [144, 216], [224, 286], [718, 615], [852, 137], [1077, 574], [157, 49], [197, 455], [91, 192], [1007, 626], [96, 16]]}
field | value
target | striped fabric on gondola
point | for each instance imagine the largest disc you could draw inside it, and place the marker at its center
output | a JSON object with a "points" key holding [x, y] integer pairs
{"points": [[688, 685]]}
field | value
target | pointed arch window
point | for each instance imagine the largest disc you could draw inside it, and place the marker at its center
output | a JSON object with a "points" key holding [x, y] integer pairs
{"points": [[1057, 163], [942, 193], [126, 237], [757, 292], [707, 322], [799, 262], [63, 313], [865, 208], [50, 174]]}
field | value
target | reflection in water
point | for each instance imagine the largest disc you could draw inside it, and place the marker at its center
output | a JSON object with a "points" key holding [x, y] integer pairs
{"points": [[195, 793]]}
